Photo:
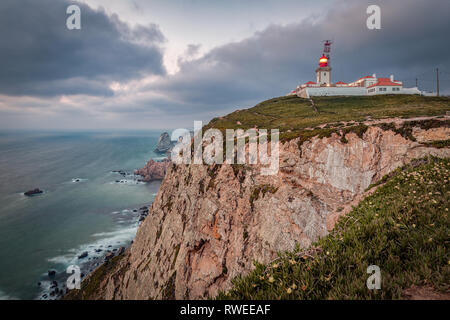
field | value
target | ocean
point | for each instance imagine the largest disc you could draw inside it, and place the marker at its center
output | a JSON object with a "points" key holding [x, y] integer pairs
{"points": [[85, 207]]}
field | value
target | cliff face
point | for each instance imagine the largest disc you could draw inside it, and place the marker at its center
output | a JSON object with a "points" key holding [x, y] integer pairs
{"points": [[208, 224]]}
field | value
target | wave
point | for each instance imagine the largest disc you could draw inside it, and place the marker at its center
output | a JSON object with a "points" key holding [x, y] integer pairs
{"points": [[114, 234], [108, 241], [159, 158], [96, 250], [4, 296], [127, 182]]}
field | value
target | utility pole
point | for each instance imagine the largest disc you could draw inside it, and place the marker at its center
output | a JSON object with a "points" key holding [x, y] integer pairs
{"points": [[417, 83], [437, 81]]}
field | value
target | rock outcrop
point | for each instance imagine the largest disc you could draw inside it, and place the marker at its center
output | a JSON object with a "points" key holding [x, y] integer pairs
{"points": [[164, 144], [33, 192], [209, 223], [153, 170]]}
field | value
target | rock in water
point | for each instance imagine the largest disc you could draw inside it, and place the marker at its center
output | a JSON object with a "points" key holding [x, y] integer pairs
{"points": [[153, 170], [33, 192], [83, 255], [164, 143]]}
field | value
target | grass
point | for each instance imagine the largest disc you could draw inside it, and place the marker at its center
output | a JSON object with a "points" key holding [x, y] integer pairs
{"points": [[403, 228], [90, 285], [292, 115]]}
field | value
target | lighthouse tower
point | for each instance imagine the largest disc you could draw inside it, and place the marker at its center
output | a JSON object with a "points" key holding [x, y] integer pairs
{"points": [[323, 73]]}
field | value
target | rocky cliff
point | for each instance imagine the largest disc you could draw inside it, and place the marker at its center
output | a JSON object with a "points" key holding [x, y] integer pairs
{"points": [[209, 223]]}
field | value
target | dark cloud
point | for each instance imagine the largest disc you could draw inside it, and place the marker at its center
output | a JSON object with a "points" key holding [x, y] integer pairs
{"points": [[40, 56], [412, 42]]}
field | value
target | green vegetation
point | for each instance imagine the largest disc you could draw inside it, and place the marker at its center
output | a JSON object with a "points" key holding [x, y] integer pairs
{"points": [[293, 115], [91, 285], [326, 132], [439, 144], [256, 191], [406, 129], [403, 228], [168, 292], [212, 171]]}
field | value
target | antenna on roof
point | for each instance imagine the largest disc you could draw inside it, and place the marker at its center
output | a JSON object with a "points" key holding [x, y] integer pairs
{"points": [[327, 48]]}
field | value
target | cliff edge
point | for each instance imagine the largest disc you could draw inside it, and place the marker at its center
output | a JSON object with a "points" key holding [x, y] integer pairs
{"points": [[208, 224]]}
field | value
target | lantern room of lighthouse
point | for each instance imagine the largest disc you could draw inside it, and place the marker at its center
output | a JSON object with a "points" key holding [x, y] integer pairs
{"points": [[323, 73]]}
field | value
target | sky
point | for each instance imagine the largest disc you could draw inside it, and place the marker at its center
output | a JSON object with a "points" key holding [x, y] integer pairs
{"points": [[158, 64]]}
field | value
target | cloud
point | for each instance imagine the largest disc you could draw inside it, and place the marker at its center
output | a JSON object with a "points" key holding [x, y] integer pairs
{"points": [[116, 74], [275, 60], [40, 56]]}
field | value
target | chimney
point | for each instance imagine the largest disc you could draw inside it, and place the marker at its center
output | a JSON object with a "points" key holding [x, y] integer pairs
{"points": [[392, 77], [374, 75]]}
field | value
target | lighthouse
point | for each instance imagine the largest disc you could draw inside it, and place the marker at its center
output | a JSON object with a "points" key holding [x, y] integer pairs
{"points": [[365, 86], [323, 73]]}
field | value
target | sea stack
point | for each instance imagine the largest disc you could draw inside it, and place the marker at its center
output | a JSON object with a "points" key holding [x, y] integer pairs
{"points": [[164, 143]]}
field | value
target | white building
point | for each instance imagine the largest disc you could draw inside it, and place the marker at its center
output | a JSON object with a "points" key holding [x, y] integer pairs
{"points": [[368, 85]]}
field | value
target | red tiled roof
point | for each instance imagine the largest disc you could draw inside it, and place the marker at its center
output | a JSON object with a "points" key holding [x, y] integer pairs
{"points": [[384, 82], [364, 78], [341, 82], [310, 82]]}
